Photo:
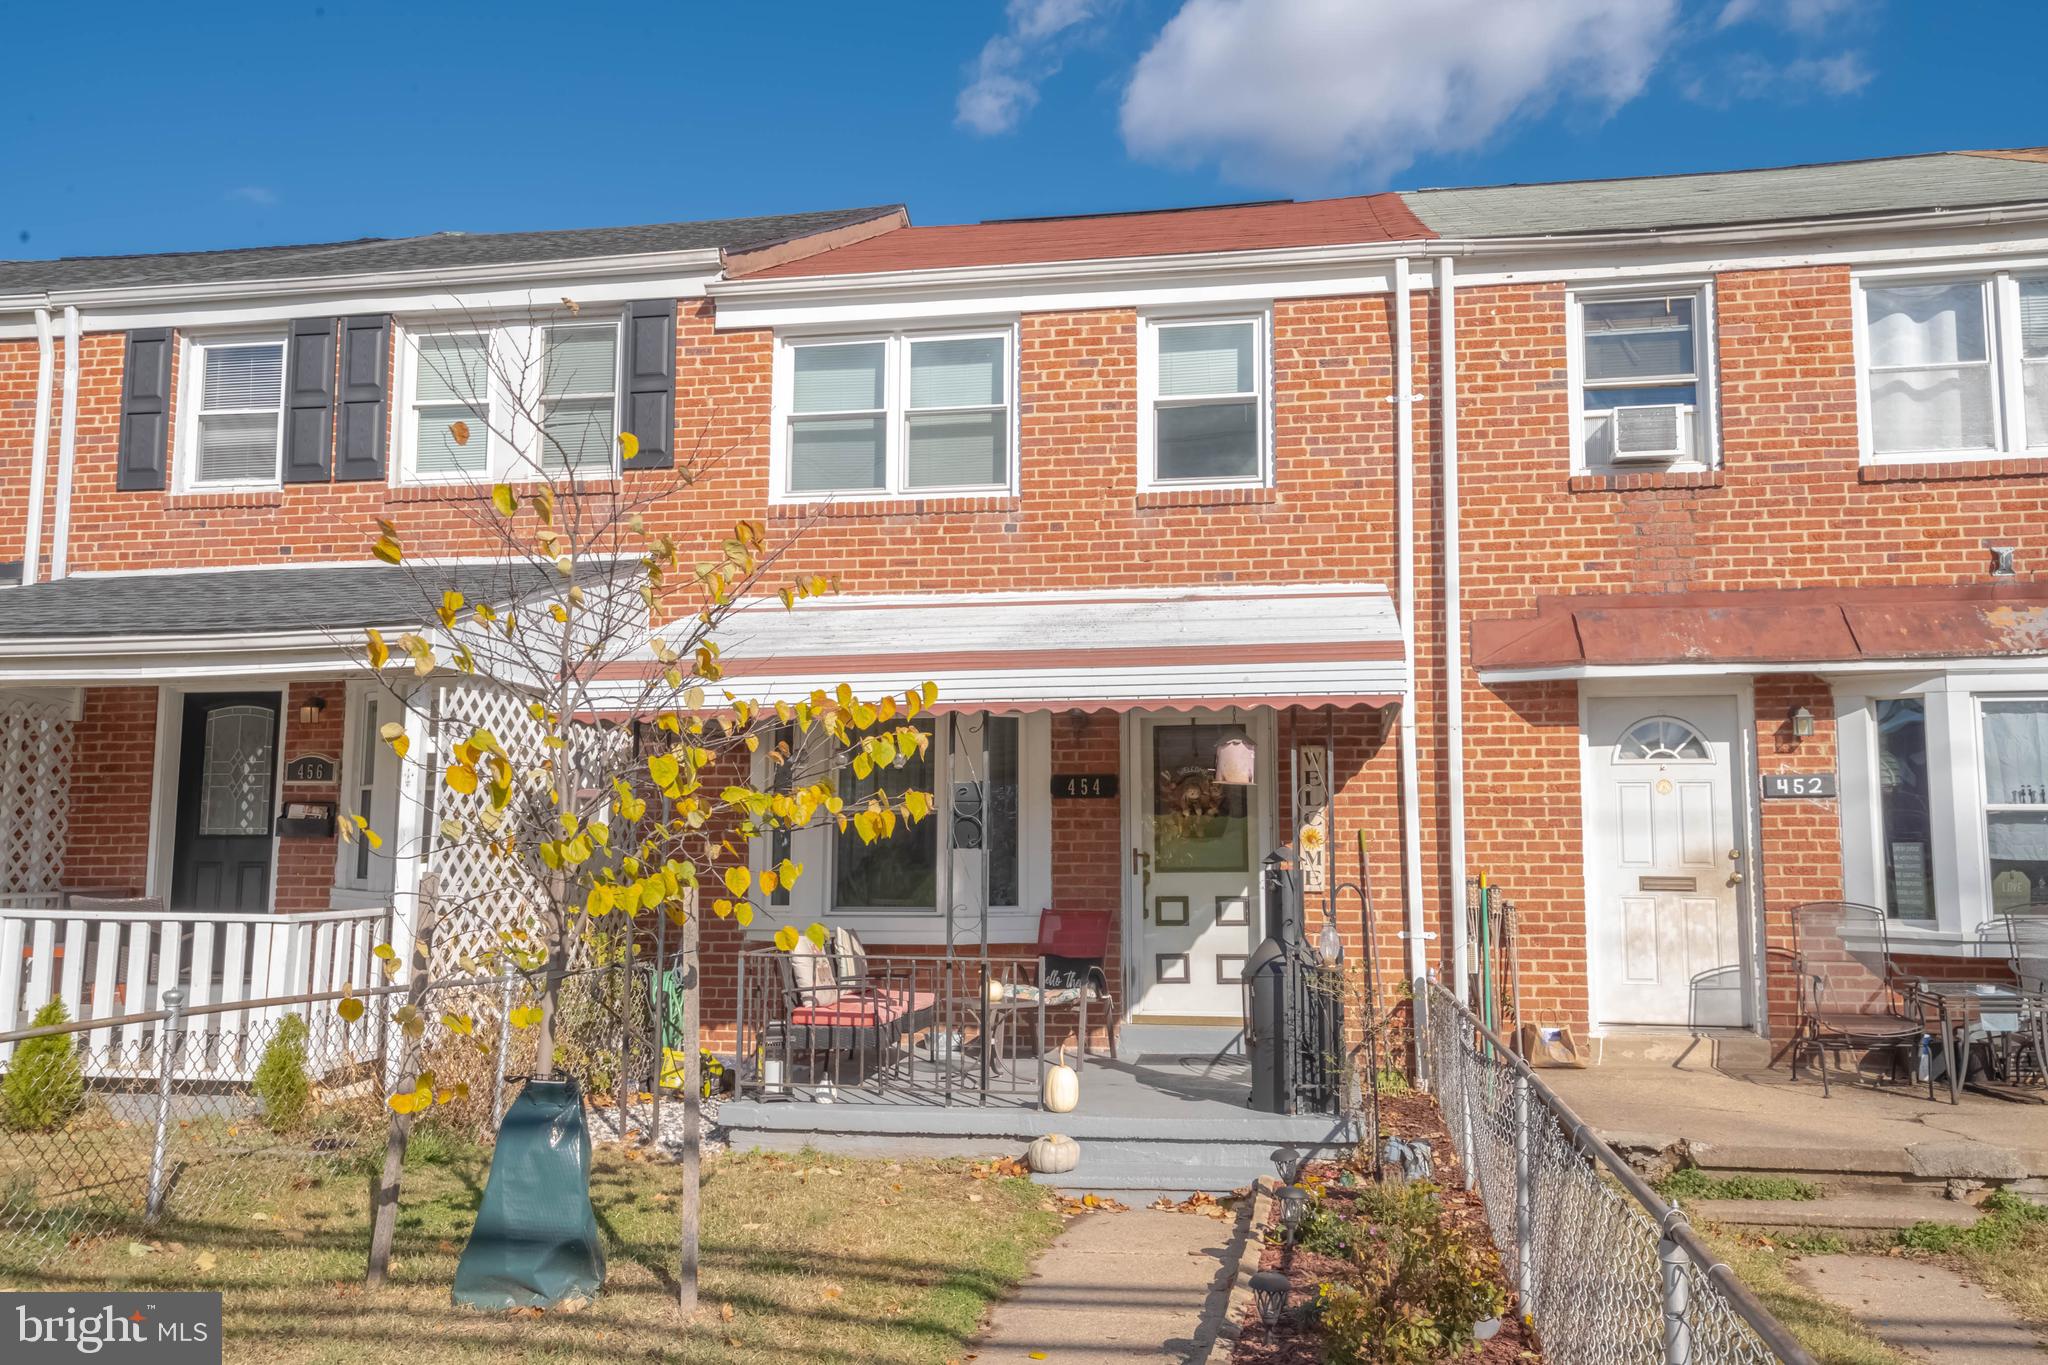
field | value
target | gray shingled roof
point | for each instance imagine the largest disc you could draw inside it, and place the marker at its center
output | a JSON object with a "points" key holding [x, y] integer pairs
{"points": [[438, 251], [1944, 180], [342, 598]]}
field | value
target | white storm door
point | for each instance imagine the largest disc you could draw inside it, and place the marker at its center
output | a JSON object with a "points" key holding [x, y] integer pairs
{"points": [[1667, 914], [1199, 845]]}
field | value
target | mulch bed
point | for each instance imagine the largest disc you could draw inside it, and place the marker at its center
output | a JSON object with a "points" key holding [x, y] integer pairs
{"points": [[1295, 1341]]}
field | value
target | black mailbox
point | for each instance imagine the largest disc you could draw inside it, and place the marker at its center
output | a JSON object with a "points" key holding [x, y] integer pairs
{"points": [[306, 820]]}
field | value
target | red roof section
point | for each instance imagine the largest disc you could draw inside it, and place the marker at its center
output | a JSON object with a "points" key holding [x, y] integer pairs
{"points": [[1164, 232], [1782, 625]]}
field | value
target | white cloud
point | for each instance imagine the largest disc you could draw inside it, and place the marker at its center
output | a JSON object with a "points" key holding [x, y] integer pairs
{"points": [[1012, 64], [1299, 93], [1748, 76], [1807, 16], [262, 196]]}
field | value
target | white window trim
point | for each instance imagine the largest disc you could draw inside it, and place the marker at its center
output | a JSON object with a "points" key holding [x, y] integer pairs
{"points": [[1706, 360], [2004, 357], [1960, 844], [513, 460], [895, 411], [810, 898], [185, 458], [1149, 325]]}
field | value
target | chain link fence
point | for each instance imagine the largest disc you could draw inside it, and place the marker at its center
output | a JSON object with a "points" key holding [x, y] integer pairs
{"points": [[1608, 1272], [122, 1126]]}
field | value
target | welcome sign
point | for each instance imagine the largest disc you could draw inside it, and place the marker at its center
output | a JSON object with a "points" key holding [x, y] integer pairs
{"points": [[118, 1329]]}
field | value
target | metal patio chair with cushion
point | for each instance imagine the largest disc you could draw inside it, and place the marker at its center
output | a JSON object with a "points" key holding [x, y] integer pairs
{"points": [[1073, 948], [837, 1002], [1849, 996], [2029, 936]]}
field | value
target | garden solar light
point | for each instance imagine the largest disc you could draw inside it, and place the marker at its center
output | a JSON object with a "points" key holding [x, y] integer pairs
{"points": [[1286, 1160], [1293, 1206], [1271, 1288]]}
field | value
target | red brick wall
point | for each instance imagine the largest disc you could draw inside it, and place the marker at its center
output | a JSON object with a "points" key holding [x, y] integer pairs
{"points": [[114, 756], [1789, 507]]}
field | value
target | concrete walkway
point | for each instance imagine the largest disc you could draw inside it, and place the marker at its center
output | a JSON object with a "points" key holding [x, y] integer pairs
{"points": [[1924, 1310], [1140, 1286]]}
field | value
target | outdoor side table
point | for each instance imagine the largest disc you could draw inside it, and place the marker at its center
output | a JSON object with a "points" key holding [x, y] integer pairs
{"points": [[1982, 1008]]}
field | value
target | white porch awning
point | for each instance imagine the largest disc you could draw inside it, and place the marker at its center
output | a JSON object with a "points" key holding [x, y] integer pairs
{"points": [[1320, 645]]}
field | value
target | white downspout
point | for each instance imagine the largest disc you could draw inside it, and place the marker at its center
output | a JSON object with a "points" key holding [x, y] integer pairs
{"points": [[39, 462], [1454, 623], [1404, 497], [67, 445]]}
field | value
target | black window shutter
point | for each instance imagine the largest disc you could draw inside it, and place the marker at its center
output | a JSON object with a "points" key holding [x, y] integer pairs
{"points": [[309, 401], [647, 383], [145, 410], [365, 396]]}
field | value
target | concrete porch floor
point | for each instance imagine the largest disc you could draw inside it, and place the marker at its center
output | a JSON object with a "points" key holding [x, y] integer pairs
{"points": [[1734, 1111]]}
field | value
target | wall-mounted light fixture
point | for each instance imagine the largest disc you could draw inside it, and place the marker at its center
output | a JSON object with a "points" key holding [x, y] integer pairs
{"points": [[1237, 762], [311, 709], [1802, 723], [2002, 565]]}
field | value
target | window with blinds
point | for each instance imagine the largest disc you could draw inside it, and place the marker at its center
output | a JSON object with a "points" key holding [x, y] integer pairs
{"points": [[896, 415], [1205, 408], [1639, 379], [1954, 367], [487, 403], [238, 433]]}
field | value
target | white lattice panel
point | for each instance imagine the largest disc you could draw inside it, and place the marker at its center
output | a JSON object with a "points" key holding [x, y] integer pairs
{"points": [[36, 747]]}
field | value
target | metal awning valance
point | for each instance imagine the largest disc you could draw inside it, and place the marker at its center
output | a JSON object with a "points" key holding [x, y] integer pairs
{"points": [[1824, 629], [1331, 645]]}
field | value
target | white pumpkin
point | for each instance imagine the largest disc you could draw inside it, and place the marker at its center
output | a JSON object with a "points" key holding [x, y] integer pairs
{"points": [[1053, 1154], [1062, 1088], [996, 991]]}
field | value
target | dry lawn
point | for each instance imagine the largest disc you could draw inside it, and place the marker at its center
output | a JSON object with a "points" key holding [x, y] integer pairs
{"points": [[805, 1259]]}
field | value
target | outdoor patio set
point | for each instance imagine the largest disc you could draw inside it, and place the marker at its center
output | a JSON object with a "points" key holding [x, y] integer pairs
{"points": [[1979, 1021]]}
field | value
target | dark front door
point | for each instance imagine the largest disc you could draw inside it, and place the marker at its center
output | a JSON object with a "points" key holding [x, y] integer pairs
{"points": [[227, 777]]}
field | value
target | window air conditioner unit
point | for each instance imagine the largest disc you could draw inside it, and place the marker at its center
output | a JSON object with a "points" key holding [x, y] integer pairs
{"points": [[1647, 433]]}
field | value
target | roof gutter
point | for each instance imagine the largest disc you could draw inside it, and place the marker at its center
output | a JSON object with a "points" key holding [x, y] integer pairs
{"points": [[707, 259], [1140, 269], [39, 460]]}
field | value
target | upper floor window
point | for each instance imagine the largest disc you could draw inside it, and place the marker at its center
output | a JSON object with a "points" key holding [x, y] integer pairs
{"points": [[896, 415], [1202, 402], [235, 436], [1956, 367], [1643, 389], [490, 403]]}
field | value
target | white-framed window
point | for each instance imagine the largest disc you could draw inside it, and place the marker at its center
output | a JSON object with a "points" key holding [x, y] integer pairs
{"points": [[898, 888], [899, 414], [1203, 414], [1944, 798], [488, 402], [1642, 379], [232, 435], [1952, 365]]}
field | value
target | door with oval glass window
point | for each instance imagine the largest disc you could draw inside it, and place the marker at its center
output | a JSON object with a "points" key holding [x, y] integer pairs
{"points": [[227, 785], [1666, 861]]}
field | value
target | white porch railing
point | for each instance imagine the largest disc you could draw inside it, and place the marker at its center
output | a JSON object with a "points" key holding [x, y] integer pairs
{"points": [[108, 963]]}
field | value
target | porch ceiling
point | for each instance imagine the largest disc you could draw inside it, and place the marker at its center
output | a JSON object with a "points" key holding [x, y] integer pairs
{"points": [[1814, 626], [1335, 645]]}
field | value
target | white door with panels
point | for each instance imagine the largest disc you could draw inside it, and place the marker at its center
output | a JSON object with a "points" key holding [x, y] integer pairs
{"points": [[1196, 850], [1666, 861]]}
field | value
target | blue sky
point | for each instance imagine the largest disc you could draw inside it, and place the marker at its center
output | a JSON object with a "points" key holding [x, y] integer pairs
{"points": [[230, 125]]}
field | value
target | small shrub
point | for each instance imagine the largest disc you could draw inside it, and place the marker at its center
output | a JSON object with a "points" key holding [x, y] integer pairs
{"points": [[281, 1082], [1393, 1081], [45, 1085], [1419, 1285], [1691, 1182]]}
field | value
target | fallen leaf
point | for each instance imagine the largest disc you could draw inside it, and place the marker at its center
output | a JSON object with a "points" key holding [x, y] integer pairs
{"points": [[138, 1249], [206, 1261], [725, 1312], [833, 1291]]}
